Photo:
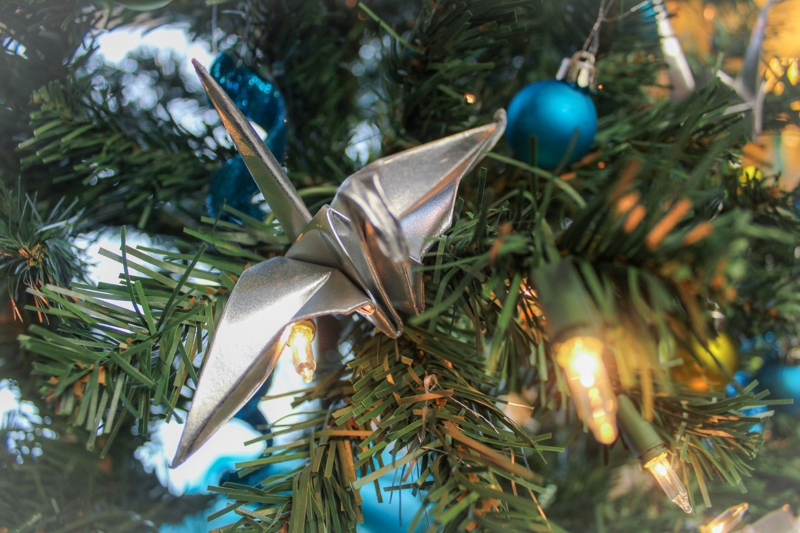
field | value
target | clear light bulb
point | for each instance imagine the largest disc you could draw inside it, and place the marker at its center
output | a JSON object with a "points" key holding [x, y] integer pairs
{"points": [[299, 341], [662, 470], [581, 359], [726, 521]]}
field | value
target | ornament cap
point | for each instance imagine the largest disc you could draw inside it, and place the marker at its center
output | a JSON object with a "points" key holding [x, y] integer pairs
{"points": [[579, 70], [638, 434]]}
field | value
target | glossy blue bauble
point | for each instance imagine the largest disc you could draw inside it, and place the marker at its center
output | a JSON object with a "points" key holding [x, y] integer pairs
{"points": [[551, 110], [233, 186], [261, 102], [782, 382], [257, 97]]}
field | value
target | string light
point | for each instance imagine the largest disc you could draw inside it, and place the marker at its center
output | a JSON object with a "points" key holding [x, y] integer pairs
{"points": [[650, 450], [299, 341], [725, 522], [671, 484], [573, 323], [595, 401]]}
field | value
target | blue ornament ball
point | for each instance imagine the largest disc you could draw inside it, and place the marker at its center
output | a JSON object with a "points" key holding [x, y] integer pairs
{"points": [[551, 110], [261, 102], [782, 382], [233, 185]]}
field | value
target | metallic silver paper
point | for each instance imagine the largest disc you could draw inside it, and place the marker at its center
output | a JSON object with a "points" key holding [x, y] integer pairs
{"points": [[680, 75], [356, 255], [749, 85]]}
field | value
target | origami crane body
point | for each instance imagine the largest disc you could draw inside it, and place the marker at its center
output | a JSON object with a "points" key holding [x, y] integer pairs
{"points": [[748, 86], [356, 255]]}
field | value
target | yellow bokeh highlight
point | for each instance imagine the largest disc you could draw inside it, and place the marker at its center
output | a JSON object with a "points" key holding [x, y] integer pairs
{"points": [[777, 155], [695, 22]]}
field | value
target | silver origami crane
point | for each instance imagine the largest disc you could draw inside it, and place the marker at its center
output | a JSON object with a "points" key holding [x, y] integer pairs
{"points": [[356, 255], [749, 84], [680, 75]]}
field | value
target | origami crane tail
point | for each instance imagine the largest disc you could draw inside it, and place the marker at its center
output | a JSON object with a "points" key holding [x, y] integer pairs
{"points": [[280, 194]]}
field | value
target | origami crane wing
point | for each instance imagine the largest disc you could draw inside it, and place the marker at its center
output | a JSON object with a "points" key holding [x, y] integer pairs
{"points": [[419, 185], [398, 203], [267, 297]]}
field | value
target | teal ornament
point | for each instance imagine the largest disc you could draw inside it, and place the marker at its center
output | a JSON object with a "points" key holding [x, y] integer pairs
{"points": [[232, 186], [783, 382], [554, 112], [261, 102], [558, 113], [251, 414]]}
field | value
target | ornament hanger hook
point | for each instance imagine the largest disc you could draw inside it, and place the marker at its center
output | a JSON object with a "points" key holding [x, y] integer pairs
{"points": [[592, 42]]}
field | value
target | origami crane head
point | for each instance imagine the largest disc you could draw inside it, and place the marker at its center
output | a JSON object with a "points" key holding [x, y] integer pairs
{"points": [[355, 255]]}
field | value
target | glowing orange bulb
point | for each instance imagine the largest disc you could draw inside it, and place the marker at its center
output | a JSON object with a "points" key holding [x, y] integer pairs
{"points": [[299, 342]]}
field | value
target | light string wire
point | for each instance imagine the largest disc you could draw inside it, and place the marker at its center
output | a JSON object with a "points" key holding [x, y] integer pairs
{"points": [[592, 42]]}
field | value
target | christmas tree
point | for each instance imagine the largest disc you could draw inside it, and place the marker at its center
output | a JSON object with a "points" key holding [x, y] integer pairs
{"points": [[577, 315]]}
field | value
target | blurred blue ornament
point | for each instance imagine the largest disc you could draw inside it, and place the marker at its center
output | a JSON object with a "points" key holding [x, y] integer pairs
{"points": [[744, 379], [398, 509], [233, 185], [554, 112], [782, 382], [251, 414], [262, 103], [257, 97]]}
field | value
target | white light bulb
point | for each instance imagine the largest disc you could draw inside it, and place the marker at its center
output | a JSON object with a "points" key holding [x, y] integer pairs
{"points": [[662, 470], [727, 521]]}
